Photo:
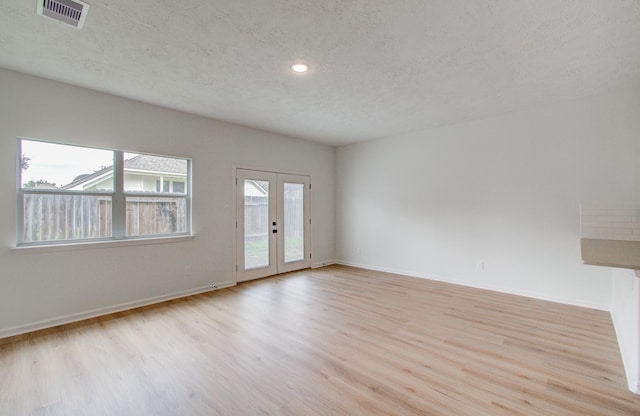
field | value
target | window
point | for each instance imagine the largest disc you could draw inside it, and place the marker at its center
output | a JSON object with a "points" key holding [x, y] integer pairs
{"points": [[178, 187], [164, 188], [72, 193]]}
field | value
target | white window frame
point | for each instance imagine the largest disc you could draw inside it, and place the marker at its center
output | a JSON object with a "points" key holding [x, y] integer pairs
{"points": [[118, 200]]}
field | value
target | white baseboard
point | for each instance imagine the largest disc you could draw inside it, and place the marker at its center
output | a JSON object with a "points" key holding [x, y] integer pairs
{"points": [[323, 264], [477, 285], [75, 317]]}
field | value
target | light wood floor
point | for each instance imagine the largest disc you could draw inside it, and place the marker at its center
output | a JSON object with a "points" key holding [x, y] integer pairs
{"points": [[331, 341]]}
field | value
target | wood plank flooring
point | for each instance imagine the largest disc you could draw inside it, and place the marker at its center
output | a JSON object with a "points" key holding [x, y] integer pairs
{"points": [[330, 341]]}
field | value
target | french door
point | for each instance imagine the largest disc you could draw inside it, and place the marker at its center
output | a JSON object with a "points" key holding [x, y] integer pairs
{"points": [[272, 223]]}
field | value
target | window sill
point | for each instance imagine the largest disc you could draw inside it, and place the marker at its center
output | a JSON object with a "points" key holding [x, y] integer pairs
{"points": [[91, 245]]}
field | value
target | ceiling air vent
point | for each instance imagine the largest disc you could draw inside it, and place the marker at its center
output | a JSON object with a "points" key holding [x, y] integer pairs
{"points": [[71, 12]]}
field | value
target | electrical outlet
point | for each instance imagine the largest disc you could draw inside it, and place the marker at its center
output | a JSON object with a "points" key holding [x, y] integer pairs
{"points": [[187, 271], [481, 265]]}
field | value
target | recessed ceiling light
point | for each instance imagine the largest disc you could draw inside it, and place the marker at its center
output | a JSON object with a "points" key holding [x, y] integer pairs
{"points": [[300, 68]]}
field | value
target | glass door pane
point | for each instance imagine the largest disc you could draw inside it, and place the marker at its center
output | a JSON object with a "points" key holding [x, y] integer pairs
{"points": [[256, 230], [293, 222], [294, 219], [256, 224]]}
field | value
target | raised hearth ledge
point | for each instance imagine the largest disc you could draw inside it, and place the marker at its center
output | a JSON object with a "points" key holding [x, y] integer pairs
{"points": [[612, 253]]}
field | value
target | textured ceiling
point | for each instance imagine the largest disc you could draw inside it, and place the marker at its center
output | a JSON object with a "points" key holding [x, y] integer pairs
{"points": [[379, 67]]}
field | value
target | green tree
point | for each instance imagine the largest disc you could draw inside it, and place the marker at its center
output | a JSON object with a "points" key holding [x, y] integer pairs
{"points": [[40, 183]]}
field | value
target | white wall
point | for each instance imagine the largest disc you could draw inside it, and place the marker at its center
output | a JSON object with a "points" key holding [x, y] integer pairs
{"points": [[625, 312], [37, 290], [502, 191]]}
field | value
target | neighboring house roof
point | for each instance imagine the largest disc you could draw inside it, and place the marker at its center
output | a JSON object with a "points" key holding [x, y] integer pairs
{"points": [[84, 178], [156, 164], [253, 188], [147, 163]]}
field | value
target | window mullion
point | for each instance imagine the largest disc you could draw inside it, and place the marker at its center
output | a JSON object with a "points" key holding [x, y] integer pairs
{"points": [[118, 213]]}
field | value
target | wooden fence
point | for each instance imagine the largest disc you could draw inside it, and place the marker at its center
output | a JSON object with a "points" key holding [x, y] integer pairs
{"points": [[78, 217], [148, 216]]}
